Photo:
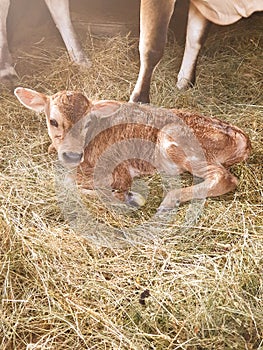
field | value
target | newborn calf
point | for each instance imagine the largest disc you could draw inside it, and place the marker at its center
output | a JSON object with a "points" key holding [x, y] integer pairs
{"points": [[111, 142]]}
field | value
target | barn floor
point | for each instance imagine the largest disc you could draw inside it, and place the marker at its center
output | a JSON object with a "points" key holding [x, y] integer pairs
{"points": [[191, 284]]}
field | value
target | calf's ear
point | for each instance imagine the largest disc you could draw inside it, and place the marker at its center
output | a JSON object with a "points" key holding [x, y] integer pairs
{"points": [[31, 99]]}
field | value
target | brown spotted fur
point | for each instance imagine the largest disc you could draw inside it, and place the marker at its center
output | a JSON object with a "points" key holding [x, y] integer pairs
{"points": [[86, 129]]}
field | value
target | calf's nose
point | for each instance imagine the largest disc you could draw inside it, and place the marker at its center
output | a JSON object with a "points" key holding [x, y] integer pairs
{"points": [[72, 157]]}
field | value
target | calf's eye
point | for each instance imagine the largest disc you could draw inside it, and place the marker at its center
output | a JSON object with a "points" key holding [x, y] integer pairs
{"points": [[53, 122]]}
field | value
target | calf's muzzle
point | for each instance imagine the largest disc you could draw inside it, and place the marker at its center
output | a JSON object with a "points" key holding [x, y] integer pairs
{"points": [[72, 158]]}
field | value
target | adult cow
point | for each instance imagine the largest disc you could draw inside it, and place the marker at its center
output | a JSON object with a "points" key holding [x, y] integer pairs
{"points": [[155, 17], [154, 21]]}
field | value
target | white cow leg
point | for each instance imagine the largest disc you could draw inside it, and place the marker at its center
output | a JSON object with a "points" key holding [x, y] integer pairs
{"points": [[7, 71], [196, 30], [59, 10], [154, 20]]}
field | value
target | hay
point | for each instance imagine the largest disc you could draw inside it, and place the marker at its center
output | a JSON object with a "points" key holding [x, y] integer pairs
{"points": [[197, 287]]}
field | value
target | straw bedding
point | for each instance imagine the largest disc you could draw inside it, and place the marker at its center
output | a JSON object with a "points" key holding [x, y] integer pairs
{"points": [[193, 284]]}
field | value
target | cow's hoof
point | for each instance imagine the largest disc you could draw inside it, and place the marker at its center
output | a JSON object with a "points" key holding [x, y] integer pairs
{"points": [[139, 98], [134, 199], [83, 62], [8, 81], [184, 84]]}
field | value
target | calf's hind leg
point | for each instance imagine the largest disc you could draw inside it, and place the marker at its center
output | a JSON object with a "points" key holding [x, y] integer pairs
{"points": [[217, 181]]}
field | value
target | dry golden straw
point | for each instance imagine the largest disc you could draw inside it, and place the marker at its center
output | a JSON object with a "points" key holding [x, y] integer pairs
{"points": [[203, 282]]}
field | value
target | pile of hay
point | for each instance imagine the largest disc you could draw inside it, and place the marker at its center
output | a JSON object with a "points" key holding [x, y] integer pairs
{"points": [[199, 286]]}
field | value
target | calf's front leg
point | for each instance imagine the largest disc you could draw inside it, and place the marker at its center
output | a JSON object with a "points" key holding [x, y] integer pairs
{"points": [[121, 186]]}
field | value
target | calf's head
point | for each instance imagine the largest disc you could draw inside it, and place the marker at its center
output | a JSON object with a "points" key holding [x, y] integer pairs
{"points": [[65, 112]]}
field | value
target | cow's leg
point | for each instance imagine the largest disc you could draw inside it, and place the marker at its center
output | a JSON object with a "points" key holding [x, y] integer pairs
{"points": [[7, 71], [217, 181], [154, 20], [59, 10], [196, 32]]}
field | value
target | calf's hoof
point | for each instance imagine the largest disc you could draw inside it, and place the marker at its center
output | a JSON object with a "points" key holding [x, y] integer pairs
{"points": [[165, 209], [134, 199]]}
